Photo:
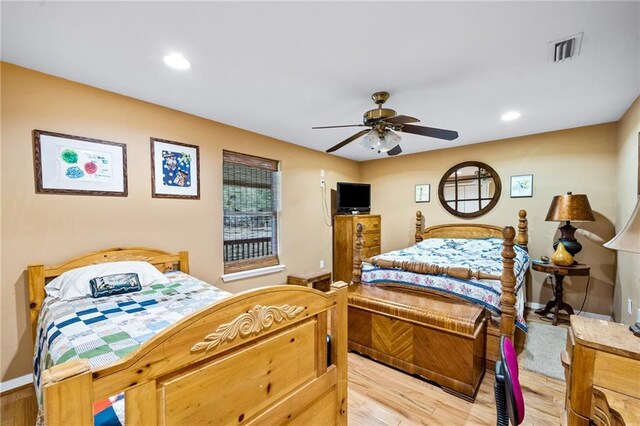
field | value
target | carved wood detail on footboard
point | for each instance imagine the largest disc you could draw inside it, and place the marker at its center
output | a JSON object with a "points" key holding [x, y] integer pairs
{"points": [[250, 323]]}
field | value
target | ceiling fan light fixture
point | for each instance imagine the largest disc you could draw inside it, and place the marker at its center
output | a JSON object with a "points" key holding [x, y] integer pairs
{"points": [[371, 140], [389, 141]]}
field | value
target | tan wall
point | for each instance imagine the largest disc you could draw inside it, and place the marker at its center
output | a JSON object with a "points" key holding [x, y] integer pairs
{"points": [[51, 228], [581, 160], [628, 277]]}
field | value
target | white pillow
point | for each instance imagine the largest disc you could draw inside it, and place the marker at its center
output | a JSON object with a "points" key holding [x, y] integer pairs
{"points": [[74, 284]]}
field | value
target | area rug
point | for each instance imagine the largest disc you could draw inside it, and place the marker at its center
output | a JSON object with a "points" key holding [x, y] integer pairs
{"points": [[542, 349]]}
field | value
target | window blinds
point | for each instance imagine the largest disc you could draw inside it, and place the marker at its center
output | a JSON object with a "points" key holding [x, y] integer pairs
{"points": [[250, 200]]}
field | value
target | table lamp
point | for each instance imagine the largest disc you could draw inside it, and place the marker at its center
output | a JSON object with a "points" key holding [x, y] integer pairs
{"points": [[569, 208], [629, 238]]}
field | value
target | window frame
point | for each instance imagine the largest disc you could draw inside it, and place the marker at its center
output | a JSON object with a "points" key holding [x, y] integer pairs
{"points": [[249, 160]]}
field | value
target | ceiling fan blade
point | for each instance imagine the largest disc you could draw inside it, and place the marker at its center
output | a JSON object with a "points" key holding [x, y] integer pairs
{"points": [[401, 119], [394, 151], [430, 131], [333, 127], [349, 139]]}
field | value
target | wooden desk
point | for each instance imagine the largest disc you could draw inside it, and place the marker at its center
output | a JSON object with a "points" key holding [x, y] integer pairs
{"points": [[559, 272], [602, 371]]}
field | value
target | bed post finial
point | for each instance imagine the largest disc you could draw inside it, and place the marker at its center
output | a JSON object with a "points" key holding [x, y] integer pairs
{"points": [[523, 229], [418, 226], [357, 254], [508, 282]]}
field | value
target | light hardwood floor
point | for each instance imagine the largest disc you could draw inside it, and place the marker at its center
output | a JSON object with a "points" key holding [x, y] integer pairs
{"points": [[379, 395], [19, 407]]}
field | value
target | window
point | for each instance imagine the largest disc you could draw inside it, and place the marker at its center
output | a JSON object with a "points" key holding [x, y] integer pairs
{"points": [[250, 199]]}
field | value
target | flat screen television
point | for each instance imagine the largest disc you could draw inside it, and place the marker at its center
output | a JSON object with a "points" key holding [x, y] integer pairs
{"points": [[353, 197]]}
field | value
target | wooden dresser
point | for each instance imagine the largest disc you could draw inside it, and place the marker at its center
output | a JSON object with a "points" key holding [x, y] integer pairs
{"points": [[344, 234], [602, 372]]}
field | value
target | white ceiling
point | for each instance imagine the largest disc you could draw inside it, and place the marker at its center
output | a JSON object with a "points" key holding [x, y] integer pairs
{"points": [[280, 68]]}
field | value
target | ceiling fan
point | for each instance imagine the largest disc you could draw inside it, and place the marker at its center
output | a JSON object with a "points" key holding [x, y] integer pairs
{"points": [[382, 123]]}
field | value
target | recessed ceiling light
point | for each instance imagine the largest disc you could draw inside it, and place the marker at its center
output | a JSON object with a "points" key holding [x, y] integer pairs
{"points": [[177, 61], [509, 116]]}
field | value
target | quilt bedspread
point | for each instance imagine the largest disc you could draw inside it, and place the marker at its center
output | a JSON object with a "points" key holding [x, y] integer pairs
{"points": [[478, 254], [103, 330]]}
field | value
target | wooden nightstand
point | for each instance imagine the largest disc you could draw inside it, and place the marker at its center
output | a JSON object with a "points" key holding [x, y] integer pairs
{"points": [[559, 272], [602, 371], [318, 279]]}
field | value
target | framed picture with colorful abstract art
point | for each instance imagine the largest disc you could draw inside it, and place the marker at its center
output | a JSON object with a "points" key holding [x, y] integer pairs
{"points": [[66, 164], [175, 170]]}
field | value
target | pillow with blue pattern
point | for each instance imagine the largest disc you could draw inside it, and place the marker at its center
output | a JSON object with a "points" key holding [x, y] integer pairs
{"points": [[115, 284]]}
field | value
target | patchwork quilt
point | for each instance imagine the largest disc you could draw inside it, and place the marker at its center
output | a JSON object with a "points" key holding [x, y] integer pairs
{"points": [[478, 254], [109, 412], [105, 329]]}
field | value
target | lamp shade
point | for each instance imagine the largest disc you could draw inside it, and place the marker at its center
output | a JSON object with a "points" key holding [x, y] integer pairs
{"points": [[570, 207], [371, 140], [629, 238], [389, 141]]}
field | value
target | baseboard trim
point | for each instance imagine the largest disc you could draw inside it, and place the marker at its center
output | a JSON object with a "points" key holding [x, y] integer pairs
{"points": [[12, 384], [535, 305]]}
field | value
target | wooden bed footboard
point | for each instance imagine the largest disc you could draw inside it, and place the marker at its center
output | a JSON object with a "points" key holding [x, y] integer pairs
{"points": [[257, 357]]}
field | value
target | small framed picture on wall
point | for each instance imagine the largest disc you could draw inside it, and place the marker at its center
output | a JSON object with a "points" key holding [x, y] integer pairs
{"points": [[175, 170], [521, 186], [423, 193]]}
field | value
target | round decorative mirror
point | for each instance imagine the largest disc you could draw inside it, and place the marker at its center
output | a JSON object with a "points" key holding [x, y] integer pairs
{"points": [[469, 189]]}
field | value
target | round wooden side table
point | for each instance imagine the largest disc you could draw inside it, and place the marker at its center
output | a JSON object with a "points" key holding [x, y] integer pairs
{"points": [[559, 272]]}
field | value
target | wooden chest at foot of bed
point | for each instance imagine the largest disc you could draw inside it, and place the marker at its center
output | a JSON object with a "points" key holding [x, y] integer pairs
{"points": [[435, 337]]}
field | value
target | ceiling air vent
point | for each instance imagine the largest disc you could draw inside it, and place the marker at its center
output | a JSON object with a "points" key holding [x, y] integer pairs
{"points": [[565, 48]]}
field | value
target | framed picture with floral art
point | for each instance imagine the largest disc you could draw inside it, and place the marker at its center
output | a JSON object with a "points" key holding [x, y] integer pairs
{"points": [[521, 186], [76, 165], [175, 170]]}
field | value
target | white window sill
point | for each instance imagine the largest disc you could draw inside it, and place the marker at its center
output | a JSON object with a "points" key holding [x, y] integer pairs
{"points": [[252, 273]]}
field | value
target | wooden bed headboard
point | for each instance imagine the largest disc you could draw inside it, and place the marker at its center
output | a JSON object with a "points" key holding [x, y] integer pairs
{"points": [[39, 274], [471, 230]]}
